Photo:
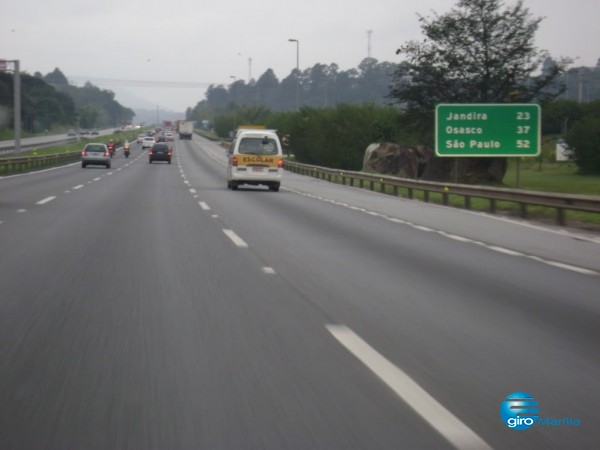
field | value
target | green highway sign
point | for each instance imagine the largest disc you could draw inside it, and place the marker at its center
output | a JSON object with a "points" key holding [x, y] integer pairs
{"points": [[488, 129]]}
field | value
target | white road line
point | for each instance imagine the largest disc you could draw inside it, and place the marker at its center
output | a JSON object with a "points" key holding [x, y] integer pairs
{"points": [[21, 211], [79, 186], [464, 239], [45, 200], [560, 265], [442, 420], [268, 270], [192, 191], [97, 179], [204, 206], [235, 238]]}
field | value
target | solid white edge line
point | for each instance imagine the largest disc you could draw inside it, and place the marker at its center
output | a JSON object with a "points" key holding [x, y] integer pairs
{"points": [[235, 238], [45, 200], [442, 420]]}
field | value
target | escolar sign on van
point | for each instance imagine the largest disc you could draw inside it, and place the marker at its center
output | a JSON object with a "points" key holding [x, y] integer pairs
{"points": [[255, 158], [258, 159]]}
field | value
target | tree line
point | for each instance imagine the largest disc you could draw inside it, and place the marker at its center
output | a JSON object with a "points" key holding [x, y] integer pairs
{"points": [[50, 102]]}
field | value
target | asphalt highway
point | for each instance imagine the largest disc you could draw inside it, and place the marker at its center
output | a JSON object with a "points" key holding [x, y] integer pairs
{"points": [[147, 306]]}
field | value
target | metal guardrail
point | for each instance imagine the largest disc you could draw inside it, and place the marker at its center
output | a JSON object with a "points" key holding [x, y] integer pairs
{"points": [[29, 163], [8, 149], [559, 202]]}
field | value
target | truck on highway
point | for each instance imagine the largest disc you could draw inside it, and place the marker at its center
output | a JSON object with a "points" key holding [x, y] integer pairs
{"points": [[186, 128]]}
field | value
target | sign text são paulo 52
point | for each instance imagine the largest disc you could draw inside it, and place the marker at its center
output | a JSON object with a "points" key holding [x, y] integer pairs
{"points": [[487, 129]]}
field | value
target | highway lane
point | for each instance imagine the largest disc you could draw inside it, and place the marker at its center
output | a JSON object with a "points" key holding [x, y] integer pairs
{"points": [[131, 319]]}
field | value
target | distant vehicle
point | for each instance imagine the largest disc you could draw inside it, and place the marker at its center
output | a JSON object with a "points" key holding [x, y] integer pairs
{"points": [[84, 131], [169, 135], [140, 138], [94, 131], [255, 158], [95, 154], [160, 152], [186, 129], [71, 133], [147, 142]]}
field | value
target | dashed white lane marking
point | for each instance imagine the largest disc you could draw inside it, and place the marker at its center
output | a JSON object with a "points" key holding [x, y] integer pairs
{"points": [[455, 237], [97, 179], [442, 420], [192, 191], [235, 238], [45, 200], [268, 270], [204, 206], [21, 211], [79, 186]]}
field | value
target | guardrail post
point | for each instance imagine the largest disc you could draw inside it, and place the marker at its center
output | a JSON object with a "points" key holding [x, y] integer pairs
{"points": [[381, 186], [445, 198], [524, 210], [396, 190], [410, 193], [371, 185], [426, 196], [560, 216], [467, 202], [493, 205]]}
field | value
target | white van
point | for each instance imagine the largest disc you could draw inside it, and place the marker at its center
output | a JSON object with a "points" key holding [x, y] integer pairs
{"points": [[255, 158]]}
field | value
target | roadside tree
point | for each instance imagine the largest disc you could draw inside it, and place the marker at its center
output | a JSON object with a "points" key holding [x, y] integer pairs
{"points": [[479, 52]]}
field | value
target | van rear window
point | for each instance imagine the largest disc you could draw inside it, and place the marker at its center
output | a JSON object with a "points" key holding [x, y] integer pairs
{"points": [[258, 146]]}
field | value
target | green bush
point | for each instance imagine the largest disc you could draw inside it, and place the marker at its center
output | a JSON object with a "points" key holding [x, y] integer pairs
{"points": [[338, 138], [584, 141]]}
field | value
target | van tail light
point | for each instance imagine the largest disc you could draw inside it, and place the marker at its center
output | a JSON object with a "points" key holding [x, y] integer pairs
{"points": [[280, 163], [234, 161]]}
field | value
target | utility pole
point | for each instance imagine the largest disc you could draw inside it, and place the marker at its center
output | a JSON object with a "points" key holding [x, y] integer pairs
{"points": [[369, 32]]}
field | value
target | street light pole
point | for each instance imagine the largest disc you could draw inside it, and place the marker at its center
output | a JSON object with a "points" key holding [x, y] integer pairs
{"points": [[297, 72], [233, 106], [17, 101]]}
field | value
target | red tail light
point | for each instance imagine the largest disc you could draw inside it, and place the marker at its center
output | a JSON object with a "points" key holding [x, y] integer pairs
{"points": [[234, 161], [280, 164], [106, 154], [83, 153]]}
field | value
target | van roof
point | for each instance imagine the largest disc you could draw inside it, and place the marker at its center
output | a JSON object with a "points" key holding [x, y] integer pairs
{"points": [[255, 132]]}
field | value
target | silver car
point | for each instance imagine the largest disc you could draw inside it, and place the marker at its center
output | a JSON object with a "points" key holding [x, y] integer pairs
{"points": [[95, 153], [148, 142]]}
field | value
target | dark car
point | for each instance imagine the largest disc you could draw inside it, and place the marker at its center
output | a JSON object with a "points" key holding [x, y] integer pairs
{"points": [[160, 152]]}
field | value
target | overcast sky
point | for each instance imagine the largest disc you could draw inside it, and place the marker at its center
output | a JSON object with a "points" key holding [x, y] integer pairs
{"points": [[194, 43]]}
